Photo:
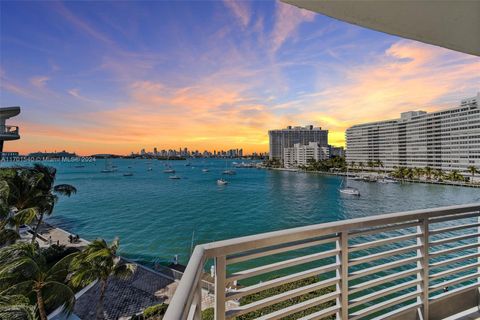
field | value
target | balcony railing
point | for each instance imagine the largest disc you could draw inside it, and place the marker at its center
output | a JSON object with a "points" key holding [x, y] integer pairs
{"points": [[9, 130], [411, 265]]}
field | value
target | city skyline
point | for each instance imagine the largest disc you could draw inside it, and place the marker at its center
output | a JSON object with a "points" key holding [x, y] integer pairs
{"points": [[209, 75]]}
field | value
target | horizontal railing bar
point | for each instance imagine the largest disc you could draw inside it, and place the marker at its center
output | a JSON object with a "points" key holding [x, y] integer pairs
{"points": [[455, 217], [322, 313], [383, 229], [382, 267], [455, 228], [387, 315], [381, 293], [281, 265], [280, 297], [300, 306], [455, 291], [384, 254], [448, 272], [452, 282], [454, 249], [385, 304], [376, 282], [246, 257], [454, 239], [454, 260], [231, 246], [279, 281], [381, 242]]}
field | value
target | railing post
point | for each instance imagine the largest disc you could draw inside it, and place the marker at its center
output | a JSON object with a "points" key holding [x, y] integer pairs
{"points": [[342, 260], [424, 263], [220, 279]]}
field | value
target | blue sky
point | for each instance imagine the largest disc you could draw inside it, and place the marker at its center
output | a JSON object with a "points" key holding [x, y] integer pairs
{"points": [[119, 76]]}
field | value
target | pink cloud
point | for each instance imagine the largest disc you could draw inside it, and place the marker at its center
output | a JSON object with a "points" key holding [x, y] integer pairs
{"points": [[240, 10]]}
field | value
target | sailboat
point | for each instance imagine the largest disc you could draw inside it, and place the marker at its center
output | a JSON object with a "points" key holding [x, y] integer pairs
{"points": [[108, 167], [349, 190], [228, 171]]}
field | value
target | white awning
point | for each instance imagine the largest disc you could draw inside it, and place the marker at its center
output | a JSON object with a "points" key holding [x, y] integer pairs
{"points": [[453, 24]]}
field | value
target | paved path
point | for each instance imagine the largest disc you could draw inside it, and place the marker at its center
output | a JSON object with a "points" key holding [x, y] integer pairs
{"points": [[48, 234]]}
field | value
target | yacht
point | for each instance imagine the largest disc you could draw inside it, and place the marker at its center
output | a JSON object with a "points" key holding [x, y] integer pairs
{"points": [[128, 174], [222, 182], [174, 177], [169, 170], [205, 170]]}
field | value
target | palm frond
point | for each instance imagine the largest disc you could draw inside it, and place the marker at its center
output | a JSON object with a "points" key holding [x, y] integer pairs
{"points": [[57, 294], [60, 270], [124, 270], [8, 236], [23, 288], [25, 216], [18, 312]]}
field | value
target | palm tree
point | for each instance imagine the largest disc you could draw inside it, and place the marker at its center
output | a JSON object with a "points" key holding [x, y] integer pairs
{"points": [[16, 307], [10, 217], [455, 176], [24, 271], [438, 174], [428, 172], [48, 193], [352, 165], [371, 164], [361, 165], [473, 170], [99, 261]]}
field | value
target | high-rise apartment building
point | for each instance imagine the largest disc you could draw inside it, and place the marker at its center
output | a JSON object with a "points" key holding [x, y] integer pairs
{"points": [[301, 155], [447, 139], [287, 138]]}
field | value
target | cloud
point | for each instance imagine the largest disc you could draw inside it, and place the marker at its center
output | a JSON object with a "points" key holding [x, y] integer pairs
{"points": [[240, 10], [287, 19], [39, 81]]}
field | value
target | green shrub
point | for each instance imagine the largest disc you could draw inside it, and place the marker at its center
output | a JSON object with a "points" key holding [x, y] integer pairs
{"points": [[55, 253], [156, 311], [284, 304], [208, 314]]}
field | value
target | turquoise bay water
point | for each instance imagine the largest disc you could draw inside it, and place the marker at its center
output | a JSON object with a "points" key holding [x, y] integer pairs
{"points": [[155, 217]]}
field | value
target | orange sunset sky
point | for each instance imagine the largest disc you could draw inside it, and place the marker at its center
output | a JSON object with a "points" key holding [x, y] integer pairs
{"points": [[115, 77]]}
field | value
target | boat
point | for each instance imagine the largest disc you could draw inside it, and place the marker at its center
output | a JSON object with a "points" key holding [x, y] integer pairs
{"points": [[228, 171], [174, 177], [205, 170], [349, 190], [188, 164], [109, 168], [387, 180], [149, 169], [128, 174], [80, 166], [170, 170], [222, 182]]}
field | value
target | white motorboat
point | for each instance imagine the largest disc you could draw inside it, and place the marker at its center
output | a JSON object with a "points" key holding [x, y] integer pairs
{"points": [[174, 177], [128, 174], [169, 171], [205, 170], [222, 182], [350, 191], [387, 180]]}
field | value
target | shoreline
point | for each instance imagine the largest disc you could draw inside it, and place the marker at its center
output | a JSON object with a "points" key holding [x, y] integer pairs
{"points": [[365, 174]]}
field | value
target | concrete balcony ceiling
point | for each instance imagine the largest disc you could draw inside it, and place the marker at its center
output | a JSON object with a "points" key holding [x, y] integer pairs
{"points": [[453, 24]]}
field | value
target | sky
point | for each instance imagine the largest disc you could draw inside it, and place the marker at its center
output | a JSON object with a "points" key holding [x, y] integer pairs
{"points": [[115, 77]]}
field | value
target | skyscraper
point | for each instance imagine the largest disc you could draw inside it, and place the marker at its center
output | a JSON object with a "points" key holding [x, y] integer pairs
{"points": [[287, 138]]}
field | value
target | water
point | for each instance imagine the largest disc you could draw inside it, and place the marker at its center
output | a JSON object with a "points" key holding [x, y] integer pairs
{"points": [[155, 217]]}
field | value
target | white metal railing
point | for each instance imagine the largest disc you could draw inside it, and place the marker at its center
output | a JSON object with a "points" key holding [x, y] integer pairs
{"points": [[373, 267]]}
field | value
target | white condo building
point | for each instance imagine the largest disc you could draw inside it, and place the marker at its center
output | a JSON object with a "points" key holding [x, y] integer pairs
{"points": [[287, 138], [447, 139], [301, 155]]}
